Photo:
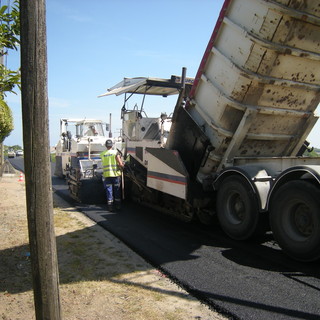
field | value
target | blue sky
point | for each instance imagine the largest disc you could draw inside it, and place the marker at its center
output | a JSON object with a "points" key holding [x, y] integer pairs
{"points": [[92, 45]]}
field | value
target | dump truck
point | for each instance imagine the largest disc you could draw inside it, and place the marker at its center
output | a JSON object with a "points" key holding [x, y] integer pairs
{"points": [[78, 157], [232, 150]]}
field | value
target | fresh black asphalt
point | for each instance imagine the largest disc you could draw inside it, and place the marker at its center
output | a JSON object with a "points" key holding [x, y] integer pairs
{"points": [[241, 280]]}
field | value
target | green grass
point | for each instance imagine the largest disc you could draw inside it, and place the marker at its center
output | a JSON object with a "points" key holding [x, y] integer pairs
{"points": [[53, 157]]}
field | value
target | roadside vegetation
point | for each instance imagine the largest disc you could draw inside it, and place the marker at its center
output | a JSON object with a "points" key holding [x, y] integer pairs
{"points": [[17, 147], [9, 79], [14, 148], [53, 157], [314, 152]]}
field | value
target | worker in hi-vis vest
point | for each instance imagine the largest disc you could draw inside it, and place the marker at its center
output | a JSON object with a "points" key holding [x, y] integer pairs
{"points": [[112, 166]]}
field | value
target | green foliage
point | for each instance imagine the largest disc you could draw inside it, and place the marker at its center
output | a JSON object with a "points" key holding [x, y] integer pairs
{"points": [[14, 148], [313, 152], [53, 157], [6, 121], [8, 79], [9, 148], [9, 39], [10, 26]]}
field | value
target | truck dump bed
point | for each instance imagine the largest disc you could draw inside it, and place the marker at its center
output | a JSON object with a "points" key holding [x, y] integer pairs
{"points": [[258, 84]]}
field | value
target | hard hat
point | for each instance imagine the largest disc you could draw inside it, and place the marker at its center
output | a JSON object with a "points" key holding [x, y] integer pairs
{"points": [[109, 143]]}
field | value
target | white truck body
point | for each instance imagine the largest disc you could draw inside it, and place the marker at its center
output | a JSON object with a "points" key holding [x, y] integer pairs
{"points": [[237, 136], [261, 72]]}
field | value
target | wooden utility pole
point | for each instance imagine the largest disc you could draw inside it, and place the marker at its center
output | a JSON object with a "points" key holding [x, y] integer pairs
{"points": [[36, 159]]}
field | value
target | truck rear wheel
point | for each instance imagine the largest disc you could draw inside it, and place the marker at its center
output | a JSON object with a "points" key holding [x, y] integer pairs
{"points": [[237, 208], [295, 220]]}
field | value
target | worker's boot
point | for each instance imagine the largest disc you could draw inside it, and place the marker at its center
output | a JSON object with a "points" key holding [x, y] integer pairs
{"points": [[110, 206]]}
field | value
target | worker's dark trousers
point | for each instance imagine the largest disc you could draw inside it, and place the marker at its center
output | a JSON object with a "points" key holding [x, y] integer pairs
{"points": [[113, 192]]}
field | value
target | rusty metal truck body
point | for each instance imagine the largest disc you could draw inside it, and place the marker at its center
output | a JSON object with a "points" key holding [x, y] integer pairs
{"points": [[234, 147]]}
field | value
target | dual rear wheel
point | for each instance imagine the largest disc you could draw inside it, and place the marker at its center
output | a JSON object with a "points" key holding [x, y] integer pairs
{"points": [[295, 219], [294, 215]]}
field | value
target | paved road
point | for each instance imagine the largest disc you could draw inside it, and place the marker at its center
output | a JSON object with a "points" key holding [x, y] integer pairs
{"points": [[239, 279]]}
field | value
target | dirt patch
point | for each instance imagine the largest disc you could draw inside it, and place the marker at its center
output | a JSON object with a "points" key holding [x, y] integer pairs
{"points": [[100, 278]]}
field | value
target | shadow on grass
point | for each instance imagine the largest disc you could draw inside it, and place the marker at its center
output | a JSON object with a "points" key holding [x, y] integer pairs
{"points": [[86, 254]]}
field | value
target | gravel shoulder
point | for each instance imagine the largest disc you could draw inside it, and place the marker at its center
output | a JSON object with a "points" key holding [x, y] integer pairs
{"points": [[100, 277]]}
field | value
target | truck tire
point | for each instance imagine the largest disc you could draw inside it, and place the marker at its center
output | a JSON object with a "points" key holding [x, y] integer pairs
{"points": [[295, 220], [237, 208]]}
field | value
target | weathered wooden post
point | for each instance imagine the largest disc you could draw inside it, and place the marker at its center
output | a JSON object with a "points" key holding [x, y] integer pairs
{"points": [[36, 159]]}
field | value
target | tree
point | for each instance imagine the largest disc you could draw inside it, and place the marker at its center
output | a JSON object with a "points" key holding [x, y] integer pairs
{"points": [[6, 120], [9, 39]]}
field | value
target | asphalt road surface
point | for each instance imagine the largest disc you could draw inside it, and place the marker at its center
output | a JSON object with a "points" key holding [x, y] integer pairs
{"points": [[243, 280]]}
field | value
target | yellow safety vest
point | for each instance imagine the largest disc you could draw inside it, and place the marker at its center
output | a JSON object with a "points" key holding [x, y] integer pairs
{"points": [[109, 163]]}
